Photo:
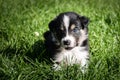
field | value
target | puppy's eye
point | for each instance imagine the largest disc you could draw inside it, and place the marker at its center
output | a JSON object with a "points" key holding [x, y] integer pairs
{"points": [[62, 32], [75, 29]]}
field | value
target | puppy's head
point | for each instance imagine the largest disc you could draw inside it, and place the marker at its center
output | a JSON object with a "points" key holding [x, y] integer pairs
{"points": [[69, 29]]}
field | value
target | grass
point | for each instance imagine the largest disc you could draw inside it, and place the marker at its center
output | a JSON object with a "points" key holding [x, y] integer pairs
{"points": [[21, 51]]}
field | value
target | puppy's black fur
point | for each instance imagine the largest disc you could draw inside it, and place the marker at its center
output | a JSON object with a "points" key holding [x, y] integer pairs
{"points": [[51, 46]]}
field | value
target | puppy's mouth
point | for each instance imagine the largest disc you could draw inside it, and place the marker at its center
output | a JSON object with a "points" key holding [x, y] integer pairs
{"points": [[69, 48]]}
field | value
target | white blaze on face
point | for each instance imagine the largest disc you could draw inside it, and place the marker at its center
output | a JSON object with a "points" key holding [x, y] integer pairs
{"points": [[66, 21]]}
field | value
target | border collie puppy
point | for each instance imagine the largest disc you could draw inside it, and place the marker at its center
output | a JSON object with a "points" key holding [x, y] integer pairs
{"points": [[67, 40]]}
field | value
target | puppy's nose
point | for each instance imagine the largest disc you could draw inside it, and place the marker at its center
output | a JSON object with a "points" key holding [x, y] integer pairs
{"points": [[66, 42]]}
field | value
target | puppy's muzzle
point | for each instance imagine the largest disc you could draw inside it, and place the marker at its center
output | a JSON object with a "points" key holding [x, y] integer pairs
{"points": [[66, 42]]}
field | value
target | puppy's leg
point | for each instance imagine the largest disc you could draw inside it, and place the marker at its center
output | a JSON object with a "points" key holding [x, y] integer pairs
{"points": [[56, 67], [84, 65]]}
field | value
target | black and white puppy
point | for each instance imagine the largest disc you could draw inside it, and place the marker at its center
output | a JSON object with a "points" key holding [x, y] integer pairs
{"points": [[67, 40]]}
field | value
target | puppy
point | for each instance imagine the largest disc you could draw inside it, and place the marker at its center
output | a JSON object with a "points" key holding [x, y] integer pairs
{"points": [[67, 40]]}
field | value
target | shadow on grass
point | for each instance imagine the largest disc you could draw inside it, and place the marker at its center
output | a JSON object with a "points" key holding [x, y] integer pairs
{"points": [[38, 51], [33, 52], [3, 76], [10, 47]]}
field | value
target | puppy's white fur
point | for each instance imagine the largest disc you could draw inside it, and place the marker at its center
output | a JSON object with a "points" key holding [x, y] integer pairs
{"points": [[69, 57], [66, 21]]}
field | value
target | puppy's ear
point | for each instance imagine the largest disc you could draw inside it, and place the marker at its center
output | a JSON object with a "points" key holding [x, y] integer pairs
{"points": [[52, 25], [84, 21]]}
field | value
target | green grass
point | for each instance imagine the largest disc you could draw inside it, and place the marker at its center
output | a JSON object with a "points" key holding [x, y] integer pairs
{"points": [[21, 51]]}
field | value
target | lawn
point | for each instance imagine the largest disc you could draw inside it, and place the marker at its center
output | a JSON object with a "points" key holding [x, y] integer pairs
{"points": [[22, 51]]}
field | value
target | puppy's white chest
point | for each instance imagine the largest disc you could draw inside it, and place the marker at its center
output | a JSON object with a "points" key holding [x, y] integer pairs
{"points": [[70, 57]]}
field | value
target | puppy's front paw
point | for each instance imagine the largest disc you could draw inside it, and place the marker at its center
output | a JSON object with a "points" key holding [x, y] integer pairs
{"points": [[56, 67]]}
